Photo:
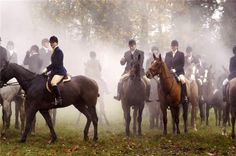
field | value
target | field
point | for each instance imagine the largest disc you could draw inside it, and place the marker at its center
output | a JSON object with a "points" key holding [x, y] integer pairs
{"points": [[112, 141]]}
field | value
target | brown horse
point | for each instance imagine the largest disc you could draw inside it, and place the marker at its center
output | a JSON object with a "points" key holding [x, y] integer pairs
{"points": [[81, 91], [193, 94], [231, 103], [133, 95], [169, 94]]}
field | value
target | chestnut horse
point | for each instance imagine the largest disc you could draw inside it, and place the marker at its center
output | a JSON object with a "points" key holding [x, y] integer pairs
{"points": [[81, 91], [193, 98], [169, 94]]}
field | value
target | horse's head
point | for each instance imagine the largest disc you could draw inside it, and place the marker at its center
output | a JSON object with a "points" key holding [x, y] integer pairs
{"points": [[5, 74], [156, 67], [135, 68]]}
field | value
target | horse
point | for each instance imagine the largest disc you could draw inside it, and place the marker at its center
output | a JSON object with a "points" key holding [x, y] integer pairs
{"points": [[80, 91], [155, 116], [169, 94], [231, 102], [8, 94], [193, 98], [133, 93]]}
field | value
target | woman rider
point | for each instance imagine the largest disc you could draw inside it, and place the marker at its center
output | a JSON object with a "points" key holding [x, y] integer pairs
{"points": [[57, 69]]}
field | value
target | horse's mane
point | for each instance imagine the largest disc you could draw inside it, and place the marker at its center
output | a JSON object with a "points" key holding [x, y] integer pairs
{"points": [[23, 69]]}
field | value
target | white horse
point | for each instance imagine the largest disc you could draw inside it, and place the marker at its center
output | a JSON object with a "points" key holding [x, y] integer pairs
{"points": [[8, 94]]}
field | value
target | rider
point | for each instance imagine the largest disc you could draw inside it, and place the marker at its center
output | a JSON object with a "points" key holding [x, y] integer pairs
{"points": [[132, 55], [175, 62], [191, 61], [232, 70], [58, 71], [12, 55]]}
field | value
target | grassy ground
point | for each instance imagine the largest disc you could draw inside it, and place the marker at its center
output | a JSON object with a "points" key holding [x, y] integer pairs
{"points": [[112, 141]]}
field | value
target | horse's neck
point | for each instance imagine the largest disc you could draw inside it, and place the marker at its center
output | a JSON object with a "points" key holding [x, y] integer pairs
{"points": [[23, 77], [166, 78]]}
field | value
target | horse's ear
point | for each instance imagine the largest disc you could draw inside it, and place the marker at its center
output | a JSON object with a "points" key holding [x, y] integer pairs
{"points": [[160, 57], [154, 56]]}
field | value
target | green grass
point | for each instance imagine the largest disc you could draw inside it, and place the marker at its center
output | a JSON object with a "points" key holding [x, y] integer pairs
{"points": [[112, 141]]}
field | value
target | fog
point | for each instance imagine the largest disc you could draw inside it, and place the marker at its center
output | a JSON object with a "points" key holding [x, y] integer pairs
{"points": [[16, 24]]}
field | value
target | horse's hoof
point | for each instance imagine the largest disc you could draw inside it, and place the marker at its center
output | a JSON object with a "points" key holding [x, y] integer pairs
{"points": [[86, 139], [52, 141], [233, 136], [95, 139], [22, 141]]}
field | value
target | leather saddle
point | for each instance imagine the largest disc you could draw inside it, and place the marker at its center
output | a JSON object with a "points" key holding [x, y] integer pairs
{"points": [[65, 79]]}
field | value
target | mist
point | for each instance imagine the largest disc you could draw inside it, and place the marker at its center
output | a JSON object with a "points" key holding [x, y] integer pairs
{"points": [[17, 25]]}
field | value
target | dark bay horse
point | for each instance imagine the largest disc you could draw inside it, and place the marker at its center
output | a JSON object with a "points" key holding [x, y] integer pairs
{"points": [[133, 95], [231, 104], [81, 91], [169, 93]]}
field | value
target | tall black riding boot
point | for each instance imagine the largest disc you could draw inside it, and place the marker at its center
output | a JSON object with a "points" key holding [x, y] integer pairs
{"points": [[118, 96], [184, 93], [57, 93]]}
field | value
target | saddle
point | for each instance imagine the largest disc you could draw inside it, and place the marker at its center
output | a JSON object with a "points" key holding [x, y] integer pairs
{"points": [[65, 79]]}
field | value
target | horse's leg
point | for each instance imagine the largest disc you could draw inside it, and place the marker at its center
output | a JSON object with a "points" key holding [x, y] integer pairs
{"points": [[48, 120], [135, 120], [173, 119], [164, 116], [54, 114], [6, 117], [140, 112], [30, 115], [185, 115], [17, 110], [22, 115], [127, 119], [176, 109], [32, 129], [87, 114], [216, 116], [233, 123], [225, 118], [220, 115], [201, 110], [9, 116], [207, 113], [95, 122], [151, 115]]}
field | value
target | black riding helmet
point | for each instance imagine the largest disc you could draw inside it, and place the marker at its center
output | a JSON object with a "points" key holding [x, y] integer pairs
{"points": [[174, 43]]}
